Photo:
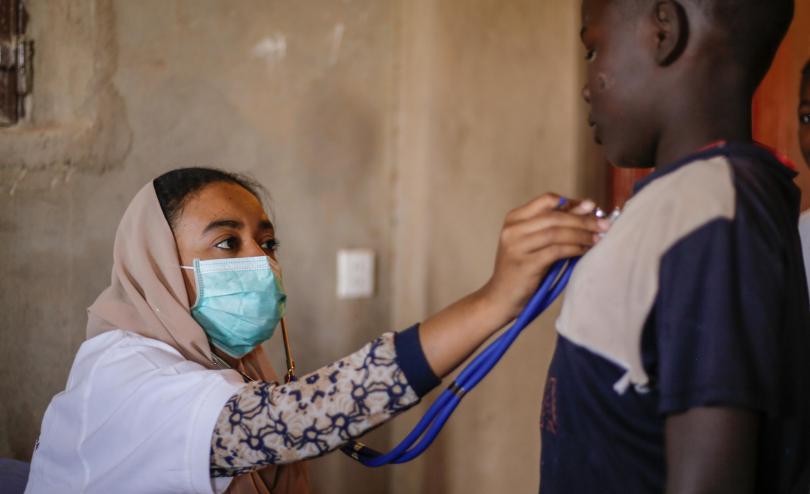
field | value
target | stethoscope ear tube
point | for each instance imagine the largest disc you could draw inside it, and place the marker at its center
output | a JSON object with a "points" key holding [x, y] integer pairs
{"points": [[434, 419]]}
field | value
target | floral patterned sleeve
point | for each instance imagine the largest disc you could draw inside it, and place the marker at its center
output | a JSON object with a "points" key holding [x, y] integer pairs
{"points": [[267, 423]]}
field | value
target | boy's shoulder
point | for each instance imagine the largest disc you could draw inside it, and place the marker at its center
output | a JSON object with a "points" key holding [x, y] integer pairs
{"points": [[738, 182], [692, 233]]}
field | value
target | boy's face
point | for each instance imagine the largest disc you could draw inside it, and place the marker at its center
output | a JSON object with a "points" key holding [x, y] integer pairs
{"points": [[804, 119], [618, 87]]}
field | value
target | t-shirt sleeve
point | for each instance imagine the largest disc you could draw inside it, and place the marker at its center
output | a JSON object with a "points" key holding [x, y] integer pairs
{"points": [[150, 421], [411, 359], [716, 320]]}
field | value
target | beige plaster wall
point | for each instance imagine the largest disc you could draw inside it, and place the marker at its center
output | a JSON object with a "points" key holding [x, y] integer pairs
{"points": [[410, 127], [301, 95], [495, 121]]}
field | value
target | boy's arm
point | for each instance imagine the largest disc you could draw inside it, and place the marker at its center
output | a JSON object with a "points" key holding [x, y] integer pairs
{"points": [[711, 450]]}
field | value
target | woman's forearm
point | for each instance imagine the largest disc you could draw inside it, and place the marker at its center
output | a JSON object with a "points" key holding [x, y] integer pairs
{"points": [[266, 423], [450, 336]]}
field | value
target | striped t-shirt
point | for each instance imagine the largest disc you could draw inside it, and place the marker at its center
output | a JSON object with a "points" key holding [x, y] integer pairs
{"points": [[696, 297]]}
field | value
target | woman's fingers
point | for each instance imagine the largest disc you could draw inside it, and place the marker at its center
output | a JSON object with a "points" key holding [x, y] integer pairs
{"points": [[534, 237], [549, 202], [541, 225], [578, 206], [554, 236], [554, 219], [553, 253]]}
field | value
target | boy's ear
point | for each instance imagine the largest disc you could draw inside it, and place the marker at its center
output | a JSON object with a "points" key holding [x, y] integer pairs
{"points": [[671, 30]]}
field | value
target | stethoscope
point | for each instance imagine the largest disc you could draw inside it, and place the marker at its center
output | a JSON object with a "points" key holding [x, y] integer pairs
{"points": [[428, 428]]}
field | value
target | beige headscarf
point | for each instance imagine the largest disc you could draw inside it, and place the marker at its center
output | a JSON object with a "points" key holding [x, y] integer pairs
{"points": [[147, 296]]}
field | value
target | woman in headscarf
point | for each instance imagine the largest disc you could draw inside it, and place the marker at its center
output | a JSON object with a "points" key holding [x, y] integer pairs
{"points": [[172, 391]]}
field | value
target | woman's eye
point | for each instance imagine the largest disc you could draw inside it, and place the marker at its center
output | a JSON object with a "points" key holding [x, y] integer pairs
{"points": [[270, 245], [227, 244], [804, 118], [590, 55]]}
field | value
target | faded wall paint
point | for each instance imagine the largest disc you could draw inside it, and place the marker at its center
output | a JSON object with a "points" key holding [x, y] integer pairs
{"points": [[410, 127], [77, 117], [493, 119], [313, 123]]}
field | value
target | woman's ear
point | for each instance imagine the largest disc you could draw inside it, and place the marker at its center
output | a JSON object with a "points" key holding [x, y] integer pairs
{"points": [[671, 27]]}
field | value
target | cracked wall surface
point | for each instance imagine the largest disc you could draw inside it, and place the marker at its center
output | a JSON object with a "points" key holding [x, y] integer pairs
{"points": [[299, 96], [409, 127], [76, 118]]}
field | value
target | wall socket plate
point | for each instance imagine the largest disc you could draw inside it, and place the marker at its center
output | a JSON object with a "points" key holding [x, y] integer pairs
{"points": [[355, 273]]}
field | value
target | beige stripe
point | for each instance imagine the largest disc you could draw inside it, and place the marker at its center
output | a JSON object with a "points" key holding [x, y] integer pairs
{"points": [[614, 287]]}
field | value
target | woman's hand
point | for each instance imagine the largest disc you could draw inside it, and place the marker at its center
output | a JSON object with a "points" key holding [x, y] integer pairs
{"points": [[533, 237]]}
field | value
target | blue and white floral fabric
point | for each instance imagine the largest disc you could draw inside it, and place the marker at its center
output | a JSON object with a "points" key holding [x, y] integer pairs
{"points": [[267, 423]]}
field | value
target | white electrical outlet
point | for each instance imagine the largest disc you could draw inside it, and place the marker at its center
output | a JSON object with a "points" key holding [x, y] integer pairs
{"points": [[355, 273]]}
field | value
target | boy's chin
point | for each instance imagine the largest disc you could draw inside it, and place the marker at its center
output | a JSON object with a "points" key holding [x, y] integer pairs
{"points": [[626, 160]]}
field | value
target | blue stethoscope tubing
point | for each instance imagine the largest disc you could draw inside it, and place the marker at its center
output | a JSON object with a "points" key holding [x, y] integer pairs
{"points": [[434, 419]]}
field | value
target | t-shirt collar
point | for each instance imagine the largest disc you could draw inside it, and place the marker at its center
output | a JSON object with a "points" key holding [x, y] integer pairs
{"points": [[723, 148]]}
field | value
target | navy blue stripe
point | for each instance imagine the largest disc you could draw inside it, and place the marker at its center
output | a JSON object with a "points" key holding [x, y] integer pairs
{"points": [[412, 361]]}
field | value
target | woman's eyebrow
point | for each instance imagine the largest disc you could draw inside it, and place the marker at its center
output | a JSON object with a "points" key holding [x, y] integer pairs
{"points": [[235, 224], [266, 225]]}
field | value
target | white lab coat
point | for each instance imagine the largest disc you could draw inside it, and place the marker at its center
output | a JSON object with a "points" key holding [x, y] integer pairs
{"points": [[135, 416]]}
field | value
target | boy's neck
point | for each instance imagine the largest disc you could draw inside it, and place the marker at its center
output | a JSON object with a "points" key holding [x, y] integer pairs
{"points": [[705, 119]]}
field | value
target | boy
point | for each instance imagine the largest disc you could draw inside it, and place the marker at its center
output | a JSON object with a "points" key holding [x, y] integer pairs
{"points": [[681, 363], [804, 142]]}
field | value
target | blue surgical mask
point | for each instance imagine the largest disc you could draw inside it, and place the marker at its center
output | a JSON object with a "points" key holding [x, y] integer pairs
{"points": [[239, 302]]}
